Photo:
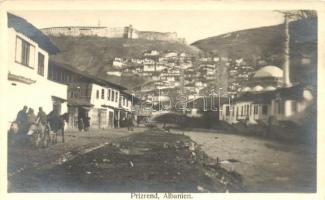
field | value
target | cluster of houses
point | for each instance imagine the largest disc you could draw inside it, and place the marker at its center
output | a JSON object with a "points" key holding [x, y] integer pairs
{"points": [[268, 96], [36, 81]]}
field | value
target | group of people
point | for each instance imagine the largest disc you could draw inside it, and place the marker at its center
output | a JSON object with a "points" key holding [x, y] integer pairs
{"points": [[26, 117], [83, 123]]}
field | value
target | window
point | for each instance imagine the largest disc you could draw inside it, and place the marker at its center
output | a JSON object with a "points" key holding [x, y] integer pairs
{"points": [[97, 94], [264, 110], [237, 112], [255, 109], [22, 51], [103, 93], [25, 52], [127, 103], [280, 107], [61, 76], [113, 93], [294, 107], [108, 94], [227, 111], [40, 69], [116, 96]]}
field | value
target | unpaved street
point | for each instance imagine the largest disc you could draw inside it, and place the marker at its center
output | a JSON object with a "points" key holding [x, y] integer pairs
{"points": [[154, 160], [266, 165], [148, 161]]}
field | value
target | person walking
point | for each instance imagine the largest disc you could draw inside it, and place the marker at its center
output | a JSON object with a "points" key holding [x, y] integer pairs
{"points": [[31, 117], [129, 121], [41, 116], [80, 124]]}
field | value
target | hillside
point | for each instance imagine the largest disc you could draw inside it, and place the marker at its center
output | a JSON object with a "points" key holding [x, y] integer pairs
{"points": [[94, 54], [250, 44], [267, 44]]}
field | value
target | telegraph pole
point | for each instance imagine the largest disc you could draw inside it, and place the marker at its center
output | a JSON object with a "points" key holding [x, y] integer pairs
{"points": [[286, 67]]}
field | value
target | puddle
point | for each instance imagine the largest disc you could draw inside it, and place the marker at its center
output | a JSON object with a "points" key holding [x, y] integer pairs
{"points": [[229, 161], [281, 178], [134, 151]]}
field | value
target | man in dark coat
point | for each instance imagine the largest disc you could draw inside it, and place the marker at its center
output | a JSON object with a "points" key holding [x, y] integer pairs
{"points": [[54, 120], [21, 120]]}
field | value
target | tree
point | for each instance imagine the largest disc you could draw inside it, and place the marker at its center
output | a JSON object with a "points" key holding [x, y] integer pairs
{"points": [[299, 14]]}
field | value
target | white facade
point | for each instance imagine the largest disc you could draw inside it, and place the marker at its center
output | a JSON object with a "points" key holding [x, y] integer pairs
{"points": [[279, 108], [27, 82], [126, 103], [105, 100], [101, 95]]}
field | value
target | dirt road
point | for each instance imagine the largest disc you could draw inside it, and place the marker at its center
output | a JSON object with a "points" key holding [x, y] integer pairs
{"points": [[266, 165], [149, 161]]}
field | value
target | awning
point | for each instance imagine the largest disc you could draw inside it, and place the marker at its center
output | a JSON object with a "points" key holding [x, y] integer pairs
{"points": [[108, 106], [21, 79], [86, 107], [79, 102], [55, 98]]}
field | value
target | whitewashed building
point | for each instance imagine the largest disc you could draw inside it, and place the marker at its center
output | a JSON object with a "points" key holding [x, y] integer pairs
{"points": [[280, 104], [27, 82], [88, 96]]}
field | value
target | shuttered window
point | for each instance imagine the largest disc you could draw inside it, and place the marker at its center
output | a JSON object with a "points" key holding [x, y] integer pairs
{"points": [[108, 94], [25, 52], [103, 93], [264, 110], [40, 69]]}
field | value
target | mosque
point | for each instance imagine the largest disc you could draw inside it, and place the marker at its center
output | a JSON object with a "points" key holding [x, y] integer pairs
{"points": [[267, 78]]}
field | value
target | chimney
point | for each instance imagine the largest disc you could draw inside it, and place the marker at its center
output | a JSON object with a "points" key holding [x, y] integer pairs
{"points": [[286, 66]]}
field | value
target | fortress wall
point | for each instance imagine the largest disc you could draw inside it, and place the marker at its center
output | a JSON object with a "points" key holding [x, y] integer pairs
{"points": [[73, 31], [117, 32], [157, 35], [112, 32]]}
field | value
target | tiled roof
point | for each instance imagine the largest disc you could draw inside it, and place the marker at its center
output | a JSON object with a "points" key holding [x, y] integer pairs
{"points": [[94, 78], [23, 26]]}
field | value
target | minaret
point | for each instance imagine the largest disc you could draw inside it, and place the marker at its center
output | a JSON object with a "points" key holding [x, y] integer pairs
{"points": [[286, 66]]}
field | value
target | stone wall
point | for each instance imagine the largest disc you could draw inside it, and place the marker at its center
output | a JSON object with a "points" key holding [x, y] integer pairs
{"points": [[112, 32]]}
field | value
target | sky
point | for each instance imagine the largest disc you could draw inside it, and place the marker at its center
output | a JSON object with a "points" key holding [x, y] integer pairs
{"points": [[192, 25]]}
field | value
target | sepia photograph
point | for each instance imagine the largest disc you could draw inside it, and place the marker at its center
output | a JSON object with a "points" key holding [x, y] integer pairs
{"points": [[172, 101]]}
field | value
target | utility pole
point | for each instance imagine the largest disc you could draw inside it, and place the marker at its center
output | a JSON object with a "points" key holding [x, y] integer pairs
{"points": [[286, 67], [219, 103]]}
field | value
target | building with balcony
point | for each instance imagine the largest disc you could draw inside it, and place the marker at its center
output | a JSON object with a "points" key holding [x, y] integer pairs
{"points": [[89, 97]]}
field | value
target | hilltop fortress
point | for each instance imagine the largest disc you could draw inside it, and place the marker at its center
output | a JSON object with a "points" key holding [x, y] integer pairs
{"points": [[112, 32]]}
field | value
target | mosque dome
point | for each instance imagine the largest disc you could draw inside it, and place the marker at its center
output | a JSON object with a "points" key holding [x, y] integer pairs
{"points": [[258, 88], [269, 71], [246, 89], [270, 88]]}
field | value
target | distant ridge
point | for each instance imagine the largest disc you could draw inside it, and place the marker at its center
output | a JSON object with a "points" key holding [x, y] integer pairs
{"points": [[267, 44]]}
